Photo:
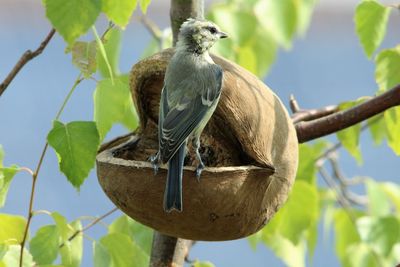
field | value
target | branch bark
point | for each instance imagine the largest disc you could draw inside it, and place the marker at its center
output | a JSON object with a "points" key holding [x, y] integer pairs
{"points": [[25, 58], [309, 130], [309, 114], [180, 11], [168, 251]]}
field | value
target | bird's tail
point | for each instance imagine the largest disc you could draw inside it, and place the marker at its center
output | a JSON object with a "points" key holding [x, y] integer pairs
{"points": [[173, 189]]}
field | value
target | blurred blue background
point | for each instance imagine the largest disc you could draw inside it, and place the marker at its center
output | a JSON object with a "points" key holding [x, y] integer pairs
{"points": [[325, 67]]}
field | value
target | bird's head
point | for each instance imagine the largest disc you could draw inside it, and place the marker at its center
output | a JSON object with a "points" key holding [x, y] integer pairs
{"points": [[197, 35]]}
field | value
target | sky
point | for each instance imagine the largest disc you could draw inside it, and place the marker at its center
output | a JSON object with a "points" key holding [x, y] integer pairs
{"points": [[325, 67]]}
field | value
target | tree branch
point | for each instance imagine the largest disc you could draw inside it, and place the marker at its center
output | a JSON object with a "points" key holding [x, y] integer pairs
{"points": [[168, 251], [27, 56], [180, 11], [309, 130], [309, 114]]}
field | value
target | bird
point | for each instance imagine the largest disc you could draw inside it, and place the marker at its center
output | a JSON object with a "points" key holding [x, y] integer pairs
{"points": [[190, 94]]}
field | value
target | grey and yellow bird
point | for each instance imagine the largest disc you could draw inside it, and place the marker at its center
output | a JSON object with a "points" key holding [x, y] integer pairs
{"points": [[192, 88]]}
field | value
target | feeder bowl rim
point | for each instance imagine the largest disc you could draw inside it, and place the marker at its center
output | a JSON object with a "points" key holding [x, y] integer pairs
{"points": [[106, 156]]}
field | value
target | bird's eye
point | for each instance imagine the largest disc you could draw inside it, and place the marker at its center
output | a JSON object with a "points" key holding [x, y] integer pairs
{"points": [[213, 30]]}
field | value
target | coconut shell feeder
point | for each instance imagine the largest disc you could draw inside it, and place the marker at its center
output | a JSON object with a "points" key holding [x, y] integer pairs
{"points": [[249, 146]]}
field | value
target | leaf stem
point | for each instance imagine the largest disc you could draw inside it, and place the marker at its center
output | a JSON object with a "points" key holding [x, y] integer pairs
{"points": [[37, 170], [71, 91], [103, 53], [90, 225]]}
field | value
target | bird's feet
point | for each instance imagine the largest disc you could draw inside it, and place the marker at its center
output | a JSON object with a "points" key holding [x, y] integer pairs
{"points": [[199, 170], [155, 162]]}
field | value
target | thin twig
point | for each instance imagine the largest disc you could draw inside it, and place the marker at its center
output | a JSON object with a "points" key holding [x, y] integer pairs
{"points": [[37, 170], [340, 198], [151, 27], [90, 225], [110, 26], [294, 106], [310, 130], [343, 183], [26, 169], [27, 56], [154, 30], [31, 198], [300, 114], [313, 114]]}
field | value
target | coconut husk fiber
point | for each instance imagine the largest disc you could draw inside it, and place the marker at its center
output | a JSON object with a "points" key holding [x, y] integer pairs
{"points": [[249, 146]]}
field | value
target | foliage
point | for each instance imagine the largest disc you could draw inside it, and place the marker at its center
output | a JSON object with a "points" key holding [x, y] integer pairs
{"points": [[364, 236]]}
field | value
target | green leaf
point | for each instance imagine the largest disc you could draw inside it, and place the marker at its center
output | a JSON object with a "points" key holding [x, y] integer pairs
{"points": [[377, 128], [62, 225], [265, 49], [279, 18], [293, 218], [76, 145], [380, 233], [71, 252], [371, 19], [1, 155], [3, 249], [392, 120], [11, 258], [246, 57], [113, 104], [123, 251], [258, 54], [254, 239], [12, 229], [304, 13], [140, 234], [101, 257], [360, 255], [308, 155], [292, 255], [378, 202], [289, 231], [395, 254], [350, 137], [238, 24], [144, 4], [6, 176], [387, 76], [387, 68], [112, 47], [84, 57], [103, 53], [203, 264], [119, 11], [44, 245], [345, 232], [392, 191], [72, 18]]}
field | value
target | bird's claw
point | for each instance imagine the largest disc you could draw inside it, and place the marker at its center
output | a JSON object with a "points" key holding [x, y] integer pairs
{"points": [[155, 162], [199, 170]]}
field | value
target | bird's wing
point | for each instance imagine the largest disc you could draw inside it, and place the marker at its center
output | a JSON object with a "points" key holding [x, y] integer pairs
{"points": [[183, 118], [163, 110]]}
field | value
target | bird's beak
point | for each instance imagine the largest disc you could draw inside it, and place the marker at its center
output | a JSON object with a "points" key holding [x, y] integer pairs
{"points": [[222, 35]]}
